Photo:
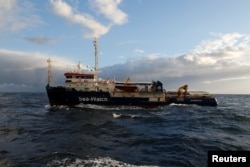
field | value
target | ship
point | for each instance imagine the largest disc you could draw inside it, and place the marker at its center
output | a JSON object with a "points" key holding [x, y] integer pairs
{"points": [[85, 88]]}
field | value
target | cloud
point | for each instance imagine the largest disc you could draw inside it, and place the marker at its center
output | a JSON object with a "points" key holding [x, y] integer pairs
{"points": [[15, 15], [139, 51], [27, 71], [40, 40], [226, 51], [216, 65], [109, 8], [227, 79]]}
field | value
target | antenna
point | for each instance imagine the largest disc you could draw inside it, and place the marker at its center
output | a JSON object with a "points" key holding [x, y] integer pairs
{"points": [[96, 59], [49, 71], [79, 67]]}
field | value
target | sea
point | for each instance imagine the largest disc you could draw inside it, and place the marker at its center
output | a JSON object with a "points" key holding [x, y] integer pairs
{"points": [[32, 133]]}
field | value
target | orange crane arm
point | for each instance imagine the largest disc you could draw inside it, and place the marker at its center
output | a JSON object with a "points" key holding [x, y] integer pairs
{"points": [[181, 89]]}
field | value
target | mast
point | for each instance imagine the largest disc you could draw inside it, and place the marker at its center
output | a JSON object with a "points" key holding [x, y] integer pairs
{"points": [[49, 71], [96, 58], [79, 67]]}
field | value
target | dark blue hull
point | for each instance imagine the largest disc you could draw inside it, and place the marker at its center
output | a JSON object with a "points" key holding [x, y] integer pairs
{"points": [[71, 97]]}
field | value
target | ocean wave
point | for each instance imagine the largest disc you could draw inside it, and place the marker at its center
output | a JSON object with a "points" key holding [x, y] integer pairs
{"points": [[72, 160], [101, 107], [127, 116], [55, 108]]}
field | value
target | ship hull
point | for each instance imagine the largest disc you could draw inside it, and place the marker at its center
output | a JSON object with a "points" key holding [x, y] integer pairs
{"points": [[71, 97], [202, 101]]}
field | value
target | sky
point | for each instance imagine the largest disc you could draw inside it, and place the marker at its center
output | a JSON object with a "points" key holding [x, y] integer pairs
{"points": [[205, 44]]}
